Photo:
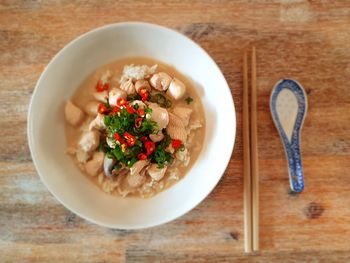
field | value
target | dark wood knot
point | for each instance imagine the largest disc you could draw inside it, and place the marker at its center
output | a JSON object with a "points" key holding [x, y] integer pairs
{"points": [[234, 235], [314, 210], [308, 91]]}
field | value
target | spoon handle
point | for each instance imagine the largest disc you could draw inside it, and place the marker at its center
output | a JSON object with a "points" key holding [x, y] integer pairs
{"points": [[295, 167], [290, 135]]}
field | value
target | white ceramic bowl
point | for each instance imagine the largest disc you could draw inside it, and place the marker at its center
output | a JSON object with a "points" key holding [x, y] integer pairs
{"points": [[58, 83]]}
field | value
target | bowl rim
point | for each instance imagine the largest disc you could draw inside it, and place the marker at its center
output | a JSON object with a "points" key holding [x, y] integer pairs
{"points": [[32, 146]]}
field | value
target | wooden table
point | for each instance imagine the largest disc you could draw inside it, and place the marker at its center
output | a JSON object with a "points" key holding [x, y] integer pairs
{"points": [[305, 40]]}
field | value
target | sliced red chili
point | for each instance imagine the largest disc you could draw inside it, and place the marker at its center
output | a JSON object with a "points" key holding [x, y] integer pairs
{"points": [[176, 144], [106, 86], [145, 97], [130, 109], [150, 147], [101, 87], [116, 109], [130, 139], [141, 112], [144, 94], [102, 109], [144, 139], [122, 102], [138, 122], [142, 156], [143, 91], [118, 138]]}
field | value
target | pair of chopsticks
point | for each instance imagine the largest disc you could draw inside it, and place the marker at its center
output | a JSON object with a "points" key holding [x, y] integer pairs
{"points": [[250, 156]]}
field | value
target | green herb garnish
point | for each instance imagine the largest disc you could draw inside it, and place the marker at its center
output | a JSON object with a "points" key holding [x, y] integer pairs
{"points": [[182, 148], [148, 110], [125, 122], [160, 156], [132, 97], [188, 100], [103, 146], [130, 131], [161, 99]]}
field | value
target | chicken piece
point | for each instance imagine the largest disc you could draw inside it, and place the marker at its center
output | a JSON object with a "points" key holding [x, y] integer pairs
{"points": [[91, 108], [183, 156], [108, 186], [157, 137], [155, 172], [184, 113], [74, 115], [82, 156], [138, 166], [127, 86], [177, 89], [97, 123], [195, 125], [121, 172], [159, 115], [176, 128], [142, 84], [101, 96], [115, 94], [89, 141], [94, 166], [135, 180], [106, 77], [170, 149], [160, 81]]}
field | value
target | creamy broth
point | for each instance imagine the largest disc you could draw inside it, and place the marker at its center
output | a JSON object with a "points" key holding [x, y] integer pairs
{"points": [[177, 170]]}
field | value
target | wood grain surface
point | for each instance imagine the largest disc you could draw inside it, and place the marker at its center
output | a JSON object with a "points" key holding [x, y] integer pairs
{"points": [[305, 40]]}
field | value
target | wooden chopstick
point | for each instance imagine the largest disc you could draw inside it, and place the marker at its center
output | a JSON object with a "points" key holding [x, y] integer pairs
{"points": [[248, 231], [250, 157], [254, 154]]}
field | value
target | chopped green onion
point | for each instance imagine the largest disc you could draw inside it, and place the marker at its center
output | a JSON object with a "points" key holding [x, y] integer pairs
{"points": [[161, 99], [188, 100]]}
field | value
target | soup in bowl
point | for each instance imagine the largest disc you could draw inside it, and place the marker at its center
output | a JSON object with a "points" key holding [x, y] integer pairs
{"points": [[79, 71], [135, 127]]}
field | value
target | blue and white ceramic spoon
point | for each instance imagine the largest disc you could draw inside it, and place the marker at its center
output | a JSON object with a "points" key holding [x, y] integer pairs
{"points": [[288, 105]]}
